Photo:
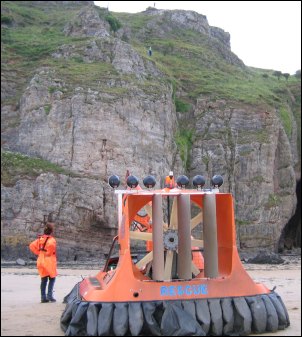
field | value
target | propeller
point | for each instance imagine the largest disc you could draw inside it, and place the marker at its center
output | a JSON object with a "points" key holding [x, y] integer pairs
{"points": [[170, 240]]}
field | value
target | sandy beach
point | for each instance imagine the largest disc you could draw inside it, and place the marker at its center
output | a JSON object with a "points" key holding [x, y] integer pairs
{"points": [[22, 314]]}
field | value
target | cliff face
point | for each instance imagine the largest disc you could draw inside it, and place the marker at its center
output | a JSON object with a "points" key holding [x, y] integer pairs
{"points": [[81, 209], [99, 106], [119, 125], [97, 133], [249, 147]]}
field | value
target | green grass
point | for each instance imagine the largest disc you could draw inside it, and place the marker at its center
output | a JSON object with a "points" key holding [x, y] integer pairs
{"points": [[47, 108], [27, 47], [35, 34], [81, 74], [273, 201], [248, 136], [286, 121], [295, 89], [6, 19], [15, 166], [29, 13], [184, 140], [34, 42], [182, 106], [198, 70], [134, 21], [189, 60]]}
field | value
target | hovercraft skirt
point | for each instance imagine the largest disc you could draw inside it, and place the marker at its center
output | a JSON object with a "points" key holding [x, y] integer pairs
{"points": [[198, 317]]}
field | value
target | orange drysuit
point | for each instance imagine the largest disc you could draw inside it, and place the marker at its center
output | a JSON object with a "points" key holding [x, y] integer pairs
{"points": [[47, 259], [169, 182]]}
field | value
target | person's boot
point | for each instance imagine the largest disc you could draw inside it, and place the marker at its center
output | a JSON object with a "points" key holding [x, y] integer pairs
{"points": [[43, 290], [50, 298], [51, 284]]}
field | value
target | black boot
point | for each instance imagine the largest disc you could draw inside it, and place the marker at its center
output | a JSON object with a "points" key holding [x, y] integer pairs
{"points": [[50, 289], [43, 290]]}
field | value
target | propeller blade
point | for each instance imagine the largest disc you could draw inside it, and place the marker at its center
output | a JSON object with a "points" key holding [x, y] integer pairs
{"points": [[196, 220], [157, 238], [148, 209], [184, 260], [195, 270], [168, 265], [173, 218], [146, 259], [140, 236], [165, 226]]}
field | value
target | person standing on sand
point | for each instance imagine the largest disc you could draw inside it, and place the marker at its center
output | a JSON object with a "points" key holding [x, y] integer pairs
{"points": [[45, 247]]}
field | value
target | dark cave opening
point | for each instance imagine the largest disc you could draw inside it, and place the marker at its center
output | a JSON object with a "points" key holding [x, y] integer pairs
{"points": [[291, 234]]}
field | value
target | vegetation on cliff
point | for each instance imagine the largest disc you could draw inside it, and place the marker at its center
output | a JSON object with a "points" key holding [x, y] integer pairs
{"points": [[192, 61], [16, 166]]}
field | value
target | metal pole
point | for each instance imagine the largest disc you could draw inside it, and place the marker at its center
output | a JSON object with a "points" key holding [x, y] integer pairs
{"points": [[168, 203], [158, 239], [210, 236], [184, 262]]}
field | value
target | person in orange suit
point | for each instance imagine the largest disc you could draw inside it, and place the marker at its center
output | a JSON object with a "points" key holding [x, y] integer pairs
{"points": [[45, 247], [169, 181]]}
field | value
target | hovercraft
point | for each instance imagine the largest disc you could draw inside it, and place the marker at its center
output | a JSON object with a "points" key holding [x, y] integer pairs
{"points": [[189, 280]]}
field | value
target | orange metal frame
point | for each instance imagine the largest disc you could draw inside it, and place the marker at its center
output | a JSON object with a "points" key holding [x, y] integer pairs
{"points": [[127, 283]]}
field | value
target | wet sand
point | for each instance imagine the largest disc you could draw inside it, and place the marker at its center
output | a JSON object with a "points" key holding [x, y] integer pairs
{"points": [[22, 314]]}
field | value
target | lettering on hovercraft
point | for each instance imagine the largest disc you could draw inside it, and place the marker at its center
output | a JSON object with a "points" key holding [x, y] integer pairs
{"points": [[199, 289]]}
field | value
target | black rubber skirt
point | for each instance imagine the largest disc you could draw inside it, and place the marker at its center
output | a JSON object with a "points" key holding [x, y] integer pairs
{"points": [[231, 316]]}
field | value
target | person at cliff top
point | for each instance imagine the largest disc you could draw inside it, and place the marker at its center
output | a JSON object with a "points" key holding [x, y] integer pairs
{"points": [[45, 247], [150, 51], [169, 180]]}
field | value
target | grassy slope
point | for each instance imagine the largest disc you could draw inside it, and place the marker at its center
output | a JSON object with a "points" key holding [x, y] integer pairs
{"points": [[195, 69], [191, 61], [16, 166]]}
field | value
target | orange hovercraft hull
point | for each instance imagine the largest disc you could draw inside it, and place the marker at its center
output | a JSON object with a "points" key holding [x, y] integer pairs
{"points": [[169, 292]]}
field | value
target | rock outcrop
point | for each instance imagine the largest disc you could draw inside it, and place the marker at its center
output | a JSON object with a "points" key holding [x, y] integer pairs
{"points": [[80, 207], [112, 51], [87, 23]]}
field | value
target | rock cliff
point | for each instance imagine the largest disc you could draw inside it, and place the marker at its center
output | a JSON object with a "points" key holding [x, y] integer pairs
{"points": [[98, 105], [249, 147]]}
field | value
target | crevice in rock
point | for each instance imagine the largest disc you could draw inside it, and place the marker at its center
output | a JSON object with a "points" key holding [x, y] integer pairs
{"points": [[291, 234]]}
